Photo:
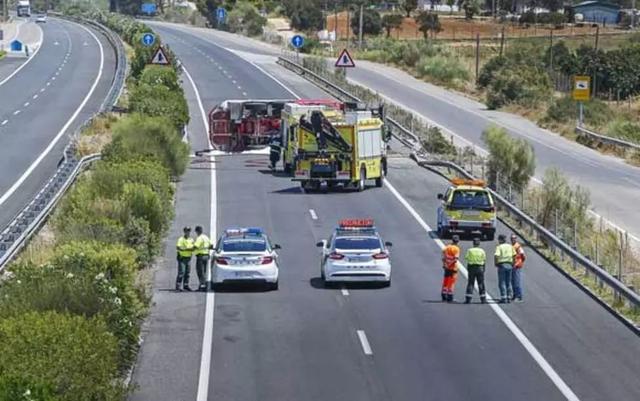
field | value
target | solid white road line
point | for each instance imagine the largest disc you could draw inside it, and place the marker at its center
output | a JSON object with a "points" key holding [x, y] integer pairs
{"points": [[207, 337], [28, 60], [345, 292], [366, 348], [313, 214], [520, 336], [55, 140]]}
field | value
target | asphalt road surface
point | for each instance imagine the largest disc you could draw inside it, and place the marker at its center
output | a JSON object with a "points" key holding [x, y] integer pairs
{"points": [[64, 83], [304, 342]]}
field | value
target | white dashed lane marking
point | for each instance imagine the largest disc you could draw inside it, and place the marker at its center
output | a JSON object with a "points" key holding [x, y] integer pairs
{"points": [[15, 113], [366, 348], [5, 122]]}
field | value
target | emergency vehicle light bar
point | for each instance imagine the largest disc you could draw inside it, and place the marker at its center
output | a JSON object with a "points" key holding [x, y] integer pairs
{"points": [[243, 231], [465, 181], [356, 223]]}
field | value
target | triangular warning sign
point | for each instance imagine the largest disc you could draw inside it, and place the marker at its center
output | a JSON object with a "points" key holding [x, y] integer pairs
{"points": [[345, 60], [159, 57]]}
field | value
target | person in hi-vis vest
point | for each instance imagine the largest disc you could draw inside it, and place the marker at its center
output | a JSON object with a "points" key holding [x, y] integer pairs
{"points": [[450, 256]]}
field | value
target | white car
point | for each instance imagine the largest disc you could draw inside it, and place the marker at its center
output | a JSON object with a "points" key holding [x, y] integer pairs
{"points": [[41, 18], [355, 253], [245, 255]]}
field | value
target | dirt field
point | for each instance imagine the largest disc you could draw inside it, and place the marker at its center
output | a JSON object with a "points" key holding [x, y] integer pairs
{"points": [[457, 28]]}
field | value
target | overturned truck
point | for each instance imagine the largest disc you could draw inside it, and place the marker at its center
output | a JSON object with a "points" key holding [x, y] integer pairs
{"points": [[239, 125]]}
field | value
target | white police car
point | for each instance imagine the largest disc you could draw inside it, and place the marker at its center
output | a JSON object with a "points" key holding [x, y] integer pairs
{"points": [[355, 253], [245, 255]]}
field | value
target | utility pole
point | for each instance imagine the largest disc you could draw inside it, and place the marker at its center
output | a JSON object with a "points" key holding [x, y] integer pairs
{"points": [[551, 49], [361, 23], [5, 10], [477, 56], [633, 14], [335, 21]]}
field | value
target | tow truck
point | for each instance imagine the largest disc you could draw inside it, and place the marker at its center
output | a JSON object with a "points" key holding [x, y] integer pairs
{"points": [[239, 125], [290, 117], [345, 147], [467, 207]]}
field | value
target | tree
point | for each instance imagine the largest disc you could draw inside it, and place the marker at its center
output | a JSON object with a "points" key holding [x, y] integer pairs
{"points": [[371, 22], [552, 5], [428, 22], [451, 3], [408, 6], [471, 8], [304, 15], [511, 160], [391, 21]]}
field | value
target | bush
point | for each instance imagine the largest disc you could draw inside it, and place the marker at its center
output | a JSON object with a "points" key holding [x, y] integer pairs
{"points": [[510, 160], [571, 204], [71, 356], [305, 15], [443, 69], [160, 101], [522, 85], [244, 18], [160, 75], [565, 110], [138, 137], [490, 69], [89, 279], [624, 129]]}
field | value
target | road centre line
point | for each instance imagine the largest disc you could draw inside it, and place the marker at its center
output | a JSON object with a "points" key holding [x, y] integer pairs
{"points": [[513, 328], [366, 348], [55, 140], [15, 113], [35, 96], [5, 122], [207, 337], [344, 292], [313, 214], [26, 104]]}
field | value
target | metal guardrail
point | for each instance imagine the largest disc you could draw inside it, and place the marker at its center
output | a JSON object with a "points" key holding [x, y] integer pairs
{"points": [[410, 139], [581, 131], [16, 234]]}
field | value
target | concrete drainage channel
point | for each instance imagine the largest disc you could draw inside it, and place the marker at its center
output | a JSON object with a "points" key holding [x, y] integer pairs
{"points": [[17, 233], [525, 222]]}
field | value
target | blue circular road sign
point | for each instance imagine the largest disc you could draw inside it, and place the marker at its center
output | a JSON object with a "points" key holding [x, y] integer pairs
{"points": [[221, 13], [297, 41], [148, 39]]}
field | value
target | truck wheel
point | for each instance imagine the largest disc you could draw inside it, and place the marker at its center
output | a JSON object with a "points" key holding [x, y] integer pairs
{"points": [[363, 178], [442, 232]]}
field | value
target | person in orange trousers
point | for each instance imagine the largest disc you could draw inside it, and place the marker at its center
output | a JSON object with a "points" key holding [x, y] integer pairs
{"points": [[450, 256]]}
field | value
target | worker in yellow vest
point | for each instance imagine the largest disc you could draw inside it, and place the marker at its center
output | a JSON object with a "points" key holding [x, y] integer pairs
{"points": [[202, 248], [503, 259], [476, 258], [185, 248]]}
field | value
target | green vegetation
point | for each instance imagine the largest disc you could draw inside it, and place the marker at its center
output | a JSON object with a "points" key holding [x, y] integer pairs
{"points": [[371, 22], [2, 54], [391, 21], [242, 17], [510, 160], [57, 357], [70, 312]]}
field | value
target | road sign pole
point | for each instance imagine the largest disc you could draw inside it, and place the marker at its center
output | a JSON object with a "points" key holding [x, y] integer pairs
{"points": [[580, 113]]}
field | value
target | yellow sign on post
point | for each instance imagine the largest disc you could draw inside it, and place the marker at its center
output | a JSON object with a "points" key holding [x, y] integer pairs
{"points": [[581, 87]]}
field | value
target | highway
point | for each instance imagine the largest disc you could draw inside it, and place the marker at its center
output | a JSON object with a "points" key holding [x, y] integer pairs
{"points": [[304, 342], [51, 95], [603, 175]]}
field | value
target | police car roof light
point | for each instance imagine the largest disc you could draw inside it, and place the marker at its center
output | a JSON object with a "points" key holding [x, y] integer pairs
{"points": [[243, 231], [466, 181], [356, 223]]}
